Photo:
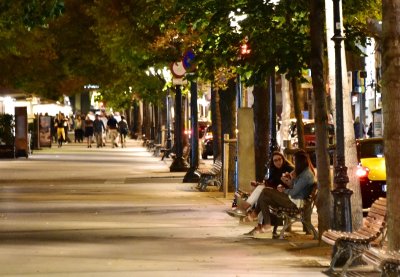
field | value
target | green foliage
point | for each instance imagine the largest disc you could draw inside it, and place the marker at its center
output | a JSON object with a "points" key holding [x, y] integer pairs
{"points": [[356, 14], [55, 47]]}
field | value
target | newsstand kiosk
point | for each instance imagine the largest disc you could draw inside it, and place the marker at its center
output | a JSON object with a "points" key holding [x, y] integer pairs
{"points": [[21, 132]]}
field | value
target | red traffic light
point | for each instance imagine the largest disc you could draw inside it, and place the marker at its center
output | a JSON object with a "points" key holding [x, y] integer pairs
{"points": [[245, 49]]}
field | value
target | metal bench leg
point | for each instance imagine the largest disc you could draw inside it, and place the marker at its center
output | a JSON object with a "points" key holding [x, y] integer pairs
{"points": [[350, 261], [287, 222], [390, 270], [204, 183], [339, 251]]}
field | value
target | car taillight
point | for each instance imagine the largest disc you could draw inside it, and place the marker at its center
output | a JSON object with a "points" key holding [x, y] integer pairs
{"points": [[362, 172]]}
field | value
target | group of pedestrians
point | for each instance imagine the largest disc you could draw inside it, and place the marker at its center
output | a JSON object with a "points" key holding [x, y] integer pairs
{"points": [[97, 130]]}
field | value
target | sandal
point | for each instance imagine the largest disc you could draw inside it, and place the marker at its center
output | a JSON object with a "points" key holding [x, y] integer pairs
{"points": [[236, 213], [254, 231]]}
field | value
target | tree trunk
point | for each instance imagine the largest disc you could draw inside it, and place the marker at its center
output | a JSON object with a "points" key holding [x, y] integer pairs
{"points": [[391, 115], [285, 115], [261, 122], [146, 120], [216, 124], [298, 114], [321, 116], [227, 107], [136, 120]]}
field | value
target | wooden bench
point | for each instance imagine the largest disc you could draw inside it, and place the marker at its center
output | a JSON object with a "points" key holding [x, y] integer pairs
{"points": [[387, 262], [165, 152], [157, 150], [149, 144], [352, 245], [210, 175], [300, 214]]}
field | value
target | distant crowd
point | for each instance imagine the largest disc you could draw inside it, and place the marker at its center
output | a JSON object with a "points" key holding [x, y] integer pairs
{"points": [[98, 129]]}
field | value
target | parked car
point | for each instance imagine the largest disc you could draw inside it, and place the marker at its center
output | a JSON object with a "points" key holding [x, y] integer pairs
{"points": [[371, 170], [207, 143], [309, 133]]}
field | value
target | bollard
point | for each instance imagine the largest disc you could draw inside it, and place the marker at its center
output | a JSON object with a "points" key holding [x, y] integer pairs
{"points": [[226, 165]]}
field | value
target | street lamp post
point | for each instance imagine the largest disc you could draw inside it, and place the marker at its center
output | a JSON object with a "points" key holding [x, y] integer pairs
{"points": [[191, 176], [273, 145], [169, 141], [179, 164], [341, 194]]}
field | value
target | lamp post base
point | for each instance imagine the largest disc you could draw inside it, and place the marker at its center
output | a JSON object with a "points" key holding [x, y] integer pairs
{"points": [[179, 165], [342, 210]]}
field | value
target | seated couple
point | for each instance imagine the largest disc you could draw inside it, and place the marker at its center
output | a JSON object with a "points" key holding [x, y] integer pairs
{"points": [[285, 187]]}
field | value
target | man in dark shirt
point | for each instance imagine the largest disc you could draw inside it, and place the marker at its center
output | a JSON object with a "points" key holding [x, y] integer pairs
{"points": [[98, 128], [112, 125]]}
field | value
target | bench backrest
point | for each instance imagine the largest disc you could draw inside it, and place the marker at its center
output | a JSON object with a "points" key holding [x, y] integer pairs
{"points": [[375, 221], [217, 167]]}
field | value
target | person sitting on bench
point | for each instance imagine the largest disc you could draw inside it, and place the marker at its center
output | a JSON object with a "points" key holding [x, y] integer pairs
{"points": [[278, 165], [300, 182]]}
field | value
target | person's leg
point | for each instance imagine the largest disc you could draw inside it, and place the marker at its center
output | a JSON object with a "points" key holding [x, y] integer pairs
{"points": [[112, 137], [101, 139], [59, 138], [97, 137], [255, 195], [273, 198]]}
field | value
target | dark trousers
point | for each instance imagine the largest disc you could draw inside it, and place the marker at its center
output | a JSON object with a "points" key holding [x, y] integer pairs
{"points": [[272, 197]]}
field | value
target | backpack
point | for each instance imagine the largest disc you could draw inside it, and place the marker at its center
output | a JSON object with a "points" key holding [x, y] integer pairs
{"points": [[123, 127]]}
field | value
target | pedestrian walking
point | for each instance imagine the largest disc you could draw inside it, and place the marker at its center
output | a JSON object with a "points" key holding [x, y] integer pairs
{"points": [[359, 131], [123, 131], [112, 126], [78, 130], [66, 129], [103, 117], [98, 128], [59, 125], [370, 132], [89, 131]]}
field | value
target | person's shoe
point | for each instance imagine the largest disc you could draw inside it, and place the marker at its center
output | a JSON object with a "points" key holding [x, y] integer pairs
{"points": [[275, 236], [256, 230], [252, 231], [262, 235], [237, 213]]}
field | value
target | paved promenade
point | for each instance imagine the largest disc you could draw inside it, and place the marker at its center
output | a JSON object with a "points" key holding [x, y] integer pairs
{"points": [[79, 212]]}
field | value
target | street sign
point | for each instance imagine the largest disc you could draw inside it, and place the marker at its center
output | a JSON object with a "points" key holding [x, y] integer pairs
{"points": [[188, 60], [178, 70]]}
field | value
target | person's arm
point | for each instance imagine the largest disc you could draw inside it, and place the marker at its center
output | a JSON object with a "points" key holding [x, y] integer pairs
{"points": [[300, 184]]}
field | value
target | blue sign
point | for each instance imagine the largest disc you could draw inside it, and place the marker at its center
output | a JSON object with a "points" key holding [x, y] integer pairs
{"points": [[188, 60]]}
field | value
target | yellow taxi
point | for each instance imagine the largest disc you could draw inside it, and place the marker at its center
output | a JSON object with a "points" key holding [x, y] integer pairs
{"points": [[371, 170]]}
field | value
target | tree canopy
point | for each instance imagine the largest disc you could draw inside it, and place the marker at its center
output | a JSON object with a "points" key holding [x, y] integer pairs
{"points": [[55, 47]]}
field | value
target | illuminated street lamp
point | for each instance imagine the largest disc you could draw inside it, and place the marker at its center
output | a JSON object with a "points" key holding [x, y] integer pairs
{"points": [[341, 194]]}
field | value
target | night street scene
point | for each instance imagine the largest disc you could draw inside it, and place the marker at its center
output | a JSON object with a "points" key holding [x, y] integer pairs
{"points": [[199, 138]]}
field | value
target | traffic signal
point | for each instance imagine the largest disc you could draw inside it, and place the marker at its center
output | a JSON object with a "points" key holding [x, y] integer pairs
{"points": [[245, 49]]}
